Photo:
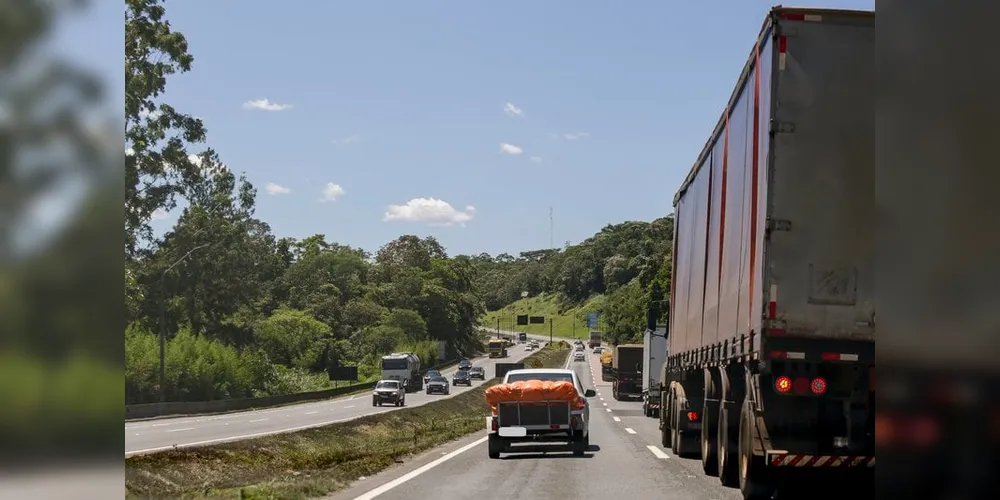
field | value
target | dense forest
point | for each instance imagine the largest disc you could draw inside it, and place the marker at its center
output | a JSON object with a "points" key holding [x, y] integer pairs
{"points": [[247, 313], [628, 264]]}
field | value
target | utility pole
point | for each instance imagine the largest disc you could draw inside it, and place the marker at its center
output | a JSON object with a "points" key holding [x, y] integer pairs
{"points": [[498, 325], [550, 330]]}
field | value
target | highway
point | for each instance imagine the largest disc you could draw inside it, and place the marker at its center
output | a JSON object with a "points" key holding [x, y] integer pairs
{"points": [[150, 436], [625, 461]]}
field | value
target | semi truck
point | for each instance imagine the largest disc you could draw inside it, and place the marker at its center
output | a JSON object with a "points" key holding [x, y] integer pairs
{"points": [[595, 339], [404, 367], [522, 337], [498, 348], [626, 371], [654, 355], [770, 373]]}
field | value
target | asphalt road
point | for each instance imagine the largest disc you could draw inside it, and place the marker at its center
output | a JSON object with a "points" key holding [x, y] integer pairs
{"points": [[625, 461], [157, 435]]}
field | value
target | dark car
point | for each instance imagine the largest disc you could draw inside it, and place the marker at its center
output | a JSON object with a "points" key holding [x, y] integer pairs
{"points": [[438, 385], [462, 377], [477, 372], [464, 364], [431, 374]]}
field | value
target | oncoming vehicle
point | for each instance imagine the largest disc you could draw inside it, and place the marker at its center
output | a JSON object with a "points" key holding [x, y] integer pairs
{"points": [[529, 347], [464, 364], [438, 385], [461, 377], [389, 391], [477, 372], [538, 412], [431, 374]]}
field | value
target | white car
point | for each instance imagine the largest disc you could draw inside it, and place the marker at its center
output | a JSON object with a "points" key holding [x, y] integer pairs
{"points": [[578, 356], [529, 347], [510, 425]]}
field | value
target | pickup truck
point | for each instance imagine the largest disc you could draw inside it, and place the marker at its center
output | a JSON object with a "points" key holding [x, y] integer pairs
{"points": [[389, 391], [538, 405]]}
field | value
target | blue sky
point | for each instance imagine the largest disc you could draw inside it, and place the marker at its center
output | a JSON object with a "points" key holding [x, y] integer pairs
{"points": [[396, 101]]}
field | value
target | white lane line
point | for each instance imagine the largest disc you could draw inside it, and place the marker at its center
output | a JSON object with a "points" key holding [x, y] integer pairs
{"points": [[630, 431], [412, 474], [602, 399], [258, 420], [609, 410], [181, 430], [605, 404], [617, 419], [346, 407], [657, 452], [311, 412]]}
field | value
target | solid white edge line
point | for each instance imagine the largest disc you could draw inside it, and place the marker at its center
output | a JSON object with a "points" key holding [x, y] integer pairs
{"points": [[658, 453], [414, 473]]}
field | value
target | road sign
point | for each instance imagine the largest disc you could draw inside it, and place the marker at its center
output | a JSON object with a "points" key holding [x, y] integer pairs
{"points": [[537, 320], [592, 319], [522, 319]]}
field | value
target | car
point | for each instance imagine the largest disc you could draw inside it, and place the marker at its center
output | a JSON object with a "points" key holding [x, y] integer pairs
{"points": [[462, 377], [389, 391], [464, 364], [508, 427], [431, 374], [598, 350], [578, 356], [529, 347], [438, 385], [477, 372]]}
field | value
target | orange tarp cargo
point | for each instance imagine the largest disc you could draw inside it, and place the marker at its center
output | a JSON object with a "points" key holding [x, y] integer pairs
{"points": [[606, 357], [528, 391]]}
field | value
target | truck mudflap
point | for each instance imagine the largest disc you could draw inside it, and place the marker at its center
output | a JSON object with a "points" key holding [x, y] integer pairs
{"points": [[800, 460]]}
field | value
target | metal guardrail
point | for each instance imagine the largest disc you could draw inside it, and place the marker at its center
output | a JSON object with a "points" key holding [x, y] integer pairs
{"points": [[192, 408]]}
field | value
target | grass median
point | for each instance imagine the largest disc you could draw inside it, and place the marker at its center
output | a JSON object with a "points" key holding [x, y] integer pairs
{"points": [[318, 461]]}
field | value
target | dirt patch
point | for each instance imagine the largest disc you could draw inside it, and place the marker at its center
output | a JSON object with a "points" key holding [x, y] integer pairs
{"points": [[314, 462]]}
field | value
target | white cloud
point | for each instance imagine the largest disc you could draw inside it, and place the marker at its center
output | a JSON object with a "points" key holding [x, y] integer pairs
{"points": [[536, 159], [152, 115], [331, 192], [351, 139], [274, 189], [510, 149], [431, 211], [265, 105], [511, 110], [160, 214], [572, 136]]}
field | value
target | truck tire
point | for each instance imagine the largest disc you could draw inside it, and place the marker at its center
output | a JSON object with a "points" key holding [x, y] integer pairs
{"points": [[580, 444], [495, 446], [726, 455], [684, 445], [709, 434], [755, 481]]}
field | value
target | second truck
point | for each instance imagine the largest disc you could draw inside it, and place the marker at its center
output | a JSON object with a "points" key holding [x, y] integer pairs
{"points": [[626, 371], [770, 374]]}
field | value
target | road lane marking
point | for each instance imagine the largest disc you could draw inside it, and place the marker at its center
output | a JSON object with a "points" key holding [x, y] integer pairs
{"points": [[311, 412], [609, 410], [605, 404], [413, 474], [181, 430], [346, 407], [258, 420], [630, 431], [617, 419], [657, 452]]}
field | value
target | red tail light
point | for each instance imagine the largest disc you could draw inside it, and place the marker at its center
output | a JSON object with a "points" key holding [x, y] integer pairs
{"points": [[496, 425], [783, 384], [818, 385], [692, 416]]}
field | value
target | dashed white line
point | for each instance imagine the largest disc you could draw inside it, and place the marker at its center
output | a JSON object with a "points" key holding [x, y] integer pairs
{"points": [[658, 453], [609, 410], [605, 404], [346, 407], [311, 412], [630, 431], [258, 420], [181, 430], [617, 419]]}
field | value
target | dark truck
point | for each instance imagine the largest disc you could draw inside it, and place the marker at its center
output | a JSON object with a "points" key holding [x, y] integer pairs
{"points": [[770, 373], [503, 368], [626, 371]]}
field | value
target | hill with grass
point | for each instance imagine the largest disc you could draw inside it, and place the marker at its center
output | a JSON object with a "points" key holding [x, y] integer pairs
{"points": [[617, 273]]}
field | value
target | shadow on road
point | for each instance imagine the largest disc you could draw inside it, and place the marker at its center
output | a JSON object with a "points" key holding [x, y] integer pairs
{"points": [[542, 451]]}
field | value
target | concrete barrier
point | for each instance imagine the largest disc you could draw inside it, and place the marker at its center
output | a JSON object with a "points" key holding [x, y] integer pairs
{"points": [[191, 408]]}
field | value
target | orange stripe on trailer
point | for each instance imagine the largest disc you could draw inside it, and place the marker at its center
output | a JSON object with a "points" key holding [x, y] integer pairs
{"points": [[804, 460]]}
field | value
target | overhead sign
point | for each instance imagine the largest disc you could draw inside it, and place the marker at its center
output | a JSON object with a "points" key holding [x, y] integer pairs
{"points": [[536, 320], [343, 372], [522, 319], [592, 319]]}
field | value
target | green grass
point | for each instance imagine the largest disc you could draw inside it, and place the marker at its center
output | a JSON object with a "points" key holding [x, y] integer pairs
{"points": [[568, 322], [318, 461]]}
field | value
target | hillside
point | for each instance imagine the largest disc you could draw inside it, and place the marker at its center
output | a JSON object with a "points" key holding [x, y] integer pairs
{"points": [[617, 272]]}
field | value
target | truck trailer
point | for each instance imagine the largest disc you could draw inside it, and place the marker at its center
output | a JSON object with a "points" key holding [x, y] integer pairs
{"points": [[404, 367], [626, 371], [595, 339], [770, 374], [654, 355]]}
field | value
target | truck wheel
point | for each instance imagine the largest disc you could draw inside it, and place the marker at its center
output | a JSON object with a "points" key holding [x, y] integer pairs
{"points": [[709, 441], [754, 481], [579, 444], [727, 458], [495, 445]]}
